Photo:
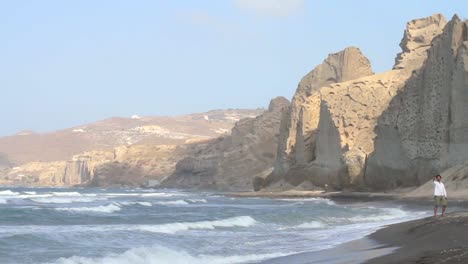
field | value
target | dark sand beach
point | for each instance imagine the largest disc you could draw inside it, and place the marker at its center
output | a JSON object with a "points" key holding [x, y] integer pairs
{"points": [[424, 241], [429, 240]]}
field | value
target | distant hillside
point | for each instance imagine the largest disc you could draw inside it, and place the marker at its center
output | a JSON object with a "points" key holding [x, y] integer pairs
{"points": [[28, 146]]}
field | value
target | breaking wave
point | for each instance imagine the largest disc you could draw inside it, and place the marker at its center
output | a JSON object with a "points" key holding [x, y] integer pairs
{"points": [[177, 202], [110, 208], [163, 255], [240, 221], [64, 200]]}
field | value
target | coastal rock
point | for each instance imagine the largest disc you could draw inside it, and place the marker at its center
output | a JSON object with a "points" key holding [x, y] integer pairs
{"points": [[426, 129], [233, 161], [134, 165], [300, 121], [417, 40], [385, 130]]}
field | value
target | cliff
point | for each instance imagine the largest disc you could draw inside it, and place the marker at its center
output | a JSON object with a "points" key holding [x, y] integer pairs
{"points": [[133, 151], [386, 130], [233, 161], [135, 165]]}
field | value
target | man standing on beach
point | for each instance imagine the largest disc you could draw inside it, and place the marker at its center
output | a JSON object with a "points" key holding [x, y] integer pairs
{"points": [[440, 195]]}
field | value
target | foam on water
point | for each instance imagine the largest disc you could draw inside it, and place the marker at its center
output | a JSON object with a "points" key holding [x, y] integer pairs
{"points": [[64, 200], [313, 224], [137, 203], [315, 200], [164, 255], [388, 214], [66, 193], [8, 192], [197, 200], [240, 221], [110, 208], [177, 202]]}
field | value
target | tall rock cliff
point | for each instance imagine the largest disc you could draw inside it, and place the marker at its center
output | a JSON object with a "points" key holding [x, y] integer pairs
{"points": [[233, 161], [425, 129], [301, 120], [390, 129]]}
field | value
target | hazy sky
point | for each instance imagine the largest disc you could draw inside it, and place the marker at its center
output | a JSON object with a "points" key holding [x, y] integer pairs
{"points": [[65, 63]]}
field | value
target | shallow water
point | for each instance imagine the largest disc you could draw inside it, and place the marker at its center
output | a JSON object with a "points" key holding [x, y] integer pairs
{"points": [[44, 225]]}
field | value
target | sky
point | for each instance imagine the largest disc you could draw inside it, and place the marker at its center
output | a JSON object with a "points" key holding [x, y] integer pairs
{"points": [[67, 63]]}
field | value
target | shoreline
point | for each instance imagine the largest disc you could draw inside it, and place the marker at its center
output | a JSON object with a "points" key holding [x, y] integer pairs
{"points": [[345, 196], [427, 240]]}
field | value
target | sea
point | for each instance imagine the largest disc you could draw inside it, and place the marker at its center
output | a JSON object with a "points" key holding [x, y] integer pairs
{"points": [[133, 226]]}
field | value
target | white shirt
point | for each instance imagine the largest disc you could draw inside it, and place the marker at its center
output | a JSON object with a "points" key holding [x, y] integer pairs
{"points": [[439, 189]]}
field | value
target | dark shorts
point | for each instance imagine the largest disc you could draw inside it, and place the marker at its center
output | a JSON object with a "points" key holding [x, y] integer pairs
{"points": [[440, 200]]}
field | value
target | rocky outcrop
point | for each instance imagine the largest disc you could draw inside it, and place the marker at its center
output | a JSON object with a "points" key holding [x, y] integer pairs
{"points": [[300, 122], [386, 130], [134, 165], [107, 134], [427, 124], [233, 161]]}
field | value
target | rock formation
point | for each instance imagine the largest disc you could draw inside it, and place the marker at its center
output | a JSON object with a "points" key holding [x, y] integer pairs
{"points": [[113, 152], [386, 130], [233, 161]]}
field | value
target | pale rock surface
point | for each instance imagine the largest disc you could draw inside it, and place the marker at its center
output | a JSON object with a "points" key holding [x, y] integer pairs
{"points": [[133, 165], [426, 127], [233, 161], [302, 118], [391, 129]]}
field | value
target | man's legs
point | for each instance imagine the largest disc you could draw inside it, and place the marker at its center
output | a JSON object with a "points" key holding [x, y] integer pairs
{"points": [[435, 210], [443, 210]]}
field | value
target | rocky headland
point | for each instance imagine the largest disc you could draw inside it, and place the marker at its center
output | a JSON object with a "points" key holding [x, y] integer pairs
{"points": [[136, 151]]}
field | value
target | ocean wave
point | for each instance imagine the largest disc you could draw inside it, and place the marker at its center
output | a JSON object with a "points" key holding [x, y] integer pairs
{"points": [[313, 224], [239, 221], [197, 200], [110, 208], [137, 203], [8, 192], [3, 201], [177, 202], [163, 255], [66, 193], [145, 194], [64, 200], [388, 214], [315, 200]]}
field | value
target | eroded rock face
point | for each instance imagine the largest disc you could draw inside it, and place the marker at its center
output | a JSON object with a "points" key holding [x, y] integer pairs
{"points": [[299, 123], [233, 161], [133, 165], [428, 123], [391, 129], [417, 40]]}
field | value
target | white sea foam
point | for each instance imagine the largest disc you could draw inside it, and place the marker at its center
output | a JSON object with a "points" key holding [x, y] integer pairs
{"points": [[110, 208], [388, 214], [145, 194], [197, 200], [177, 202], [240, 221], [137, 203], [163, 255], [30, 192], [3, 201], [313, 224], [66, 193], [315, 200], [64, 200], [8, 192]]}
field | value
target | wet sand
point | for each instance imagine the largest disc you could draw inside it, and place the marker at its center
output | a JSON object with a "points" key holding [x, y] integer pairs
{"points": [[357, 251], [426, 241]]}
